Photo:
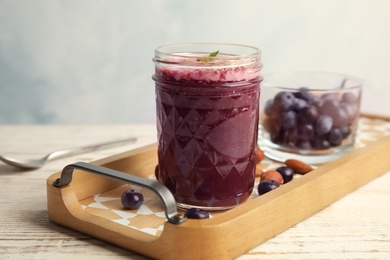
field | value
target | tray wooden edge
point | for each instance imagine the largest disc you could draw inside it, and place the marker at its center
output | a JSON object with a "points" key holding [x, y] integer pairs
{"points": [[269, 214]]}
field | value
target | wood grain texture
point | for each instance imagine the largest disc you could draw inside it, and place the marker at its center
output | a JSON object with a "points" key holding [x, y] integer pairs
{"points": [[354, 227]]}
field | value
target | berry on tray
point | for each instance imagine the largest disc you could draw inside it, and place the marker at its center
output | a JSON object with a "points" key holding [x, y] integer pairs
{"points": [[266, 186], [196, 213], [132, 199], [286, 172]]}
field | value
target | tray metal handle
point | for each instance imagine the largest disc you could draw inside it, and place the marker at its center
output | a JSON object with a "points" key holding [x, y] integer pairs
{"points": [[163, 192]]}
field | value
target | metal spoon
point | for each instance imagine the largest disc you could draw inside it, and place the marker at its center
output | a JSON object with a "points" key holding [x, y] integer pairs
{"points": [[38, 163]]}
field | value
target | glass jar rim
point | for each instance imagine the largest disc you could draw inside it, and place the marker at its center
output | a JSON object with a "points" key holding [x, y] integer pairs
{"points": [[227, 54], [346, 81]]}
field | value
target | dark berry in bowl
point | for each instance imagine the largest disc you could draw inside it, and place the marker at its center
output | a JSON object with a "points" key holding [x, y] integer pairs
{"points": [[320, 143], [286, 172], [283, 101], [335, 137], [308, 114], [268, 108], [266, 186], [350, 98], [305, 132], [323, 124], [132, 199], [289, 119], [305, 94], [299, 104], [196, 213], [345, 131]]}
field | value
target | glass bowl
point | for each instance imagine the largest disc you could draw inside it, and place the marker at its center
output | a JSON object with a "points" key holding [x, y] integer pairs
{"points": [[309, 116]]}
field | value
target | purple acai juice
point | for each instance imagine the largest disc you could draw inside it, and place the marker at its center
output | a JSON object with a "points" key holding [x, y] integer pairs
{"points": [[207, 119]]}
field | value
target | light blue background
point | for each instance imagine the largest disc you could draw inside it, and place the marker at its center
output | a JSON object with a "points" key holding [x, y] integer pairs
{"points": [[85, 61]]}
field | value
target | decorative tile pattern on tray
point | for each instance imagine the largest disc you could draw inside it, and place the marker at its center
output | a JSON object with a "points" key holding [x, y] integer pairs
{"points": [[150, 217], [371, 130]]}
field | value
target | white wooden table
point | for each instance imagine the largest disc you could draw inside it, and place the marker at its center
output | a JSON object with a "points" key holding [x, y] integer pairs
{"points": [[355, 227]]}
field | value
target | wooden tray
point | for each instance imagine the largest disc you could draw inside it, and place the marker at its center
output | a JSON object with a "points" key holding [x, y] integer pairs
{"points": [[91, 202]]}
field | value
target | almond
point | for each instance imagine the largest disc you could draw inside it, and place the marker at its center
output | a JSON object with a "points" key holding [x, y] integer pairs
{"points": [[259, 172], [298, 166], [259, 155], [272, 175]]}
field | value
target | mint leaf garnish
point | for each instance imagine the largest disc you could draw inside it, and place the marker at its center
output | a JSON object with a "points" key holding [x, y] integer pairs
{"points": [[210, 57], [214, 53]]}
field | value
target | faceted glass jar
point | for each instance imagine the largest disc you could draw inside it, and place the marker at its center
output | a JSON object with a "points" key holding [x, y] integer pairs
{"points": [[207, 104], [309, 116]]}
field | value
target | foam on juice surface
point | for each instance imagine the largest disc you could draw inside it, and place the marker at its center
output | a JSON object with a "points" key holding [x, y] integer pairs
{"points": [[218, 69]]}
